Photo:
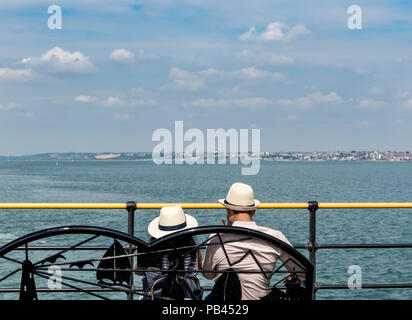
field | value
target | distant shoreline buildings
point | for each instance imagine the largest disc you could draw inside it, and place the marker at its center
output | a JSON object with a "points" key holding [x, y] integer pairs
{"points": [[339, 156], [265, 156]]}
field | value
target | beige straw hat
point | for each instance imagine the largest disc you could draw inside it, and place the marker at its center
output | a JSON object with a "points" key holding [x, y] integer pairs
{"points": [[170, 219], [240, 197]]}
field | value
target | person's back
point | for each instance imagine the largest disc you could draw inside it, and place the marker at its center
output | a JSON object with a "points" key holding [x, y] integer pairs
{"points": [[254, 285], [155, 267], [158, 282], [241, 205]]}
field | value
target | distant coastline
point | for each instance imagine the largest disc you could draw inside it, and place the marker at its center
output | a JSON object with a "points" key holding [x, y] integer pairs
{"points": [[324, 156]]}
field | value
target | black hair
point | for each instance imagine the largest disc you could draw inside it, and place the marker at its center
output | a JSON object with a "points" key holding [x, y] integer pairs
{"points": [[176, 248]]}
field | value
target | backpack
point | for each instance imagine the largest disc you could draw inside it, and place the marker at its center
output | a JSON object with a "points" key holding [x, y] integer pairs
{"points": [[164, 283], [227, 287], [295, 291], [177, 287]]}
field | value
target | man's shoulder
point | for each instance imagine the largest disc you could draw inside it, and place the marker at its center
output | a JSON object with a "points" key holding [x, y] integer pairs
{"points": [[272, 232]]}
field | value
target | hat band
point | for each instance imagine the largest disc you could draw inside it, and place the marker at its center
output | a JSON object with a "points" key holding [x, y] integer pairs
{"points": [[236, 205], [172, 228]]}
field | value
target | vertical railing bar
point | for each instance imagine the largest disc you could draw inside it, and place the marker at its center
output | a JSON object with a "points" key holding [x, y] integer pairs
{"points": [[131, 208], [313, 206]]}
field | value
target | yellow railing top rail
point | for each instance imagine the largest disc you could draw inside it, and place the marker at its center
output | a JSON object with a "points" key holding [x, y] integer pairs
{"points": [[268, 205]]}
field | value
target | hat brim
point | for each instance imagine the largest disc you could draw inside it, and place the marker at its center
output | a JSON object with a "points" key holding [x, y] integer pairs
{"points": [[155, 232], [239, 208]]}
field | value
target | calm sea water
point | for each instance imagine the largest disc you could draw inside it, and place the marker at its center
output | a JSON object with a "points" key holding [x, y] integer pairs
{"points": [[93, 181]]}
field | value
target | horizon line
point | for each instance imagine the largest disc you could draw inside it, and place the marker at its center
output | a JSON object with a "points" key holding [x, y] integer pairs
{"points": [[140, 152]]}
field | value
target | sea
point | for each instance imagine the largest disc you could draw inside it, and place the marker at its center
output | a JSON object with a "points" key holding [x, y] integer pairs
{"points": [[144, 181]]}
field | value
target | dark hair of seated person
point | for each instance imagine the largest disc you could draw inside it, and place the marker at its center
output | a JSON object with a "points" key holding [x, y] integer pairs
{"points": [[155, 259]]}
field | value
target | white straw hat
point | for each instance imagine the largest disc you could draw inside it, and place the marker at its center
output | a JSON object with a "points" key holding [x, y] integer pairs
{"points": [[171, 219], [240, 197]]}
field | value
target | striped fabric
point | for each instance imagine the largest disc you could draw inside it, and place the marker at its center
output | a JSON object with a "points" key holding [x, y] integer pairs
{"points": [[154, 274]]}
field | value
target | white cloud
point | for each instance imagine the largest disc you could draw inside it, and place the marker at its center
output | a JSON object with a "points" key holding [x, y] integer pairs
{"points": [[144, 103], [204, 103], [188, 84], [185, 80], [16, 74], [118, 102], [244, 54], [361, 71], [264, 58], [275, 60], [286, 102], [278, 76], [364, 124], [311, 87], [122, 56], [230, 91], [296, 31], [137, 89], [231, 103], [114, 101], [59, 60], [318, 97], [311, 99], [208, 72], [9, 106], [83, 98], [403, 94], [399, 122], [325, 98], [250, 34], [246, 102], [375, 90], [176, 73], [369, 103], [253, 73], [275, 31], [407, 104]]}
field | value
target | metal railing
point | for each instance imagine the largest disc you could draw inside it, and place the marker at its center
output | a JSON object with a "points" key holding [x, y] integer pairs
{"points": [[312, 246]]}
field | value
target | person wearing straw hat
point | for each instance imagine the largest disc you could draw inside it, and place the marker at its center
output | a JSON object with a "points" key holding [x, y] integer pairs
{"points": [[240, 203], [240, 208], [171, 219]]}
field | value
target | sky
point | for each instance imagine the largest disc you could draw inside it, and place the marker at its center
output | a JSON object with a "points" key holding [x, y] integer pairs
{"points": [[119, 70]]}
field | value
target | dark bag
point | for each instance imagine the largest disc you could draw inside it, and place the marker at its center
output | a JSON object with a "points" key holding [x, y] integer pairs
{"points": [[295, 291], [177, 287], [227, 287]]}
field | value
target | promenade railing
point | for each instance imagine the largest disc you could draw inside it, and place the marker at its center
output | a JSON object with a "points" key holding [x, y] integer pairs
{"points": [[312, 245]]}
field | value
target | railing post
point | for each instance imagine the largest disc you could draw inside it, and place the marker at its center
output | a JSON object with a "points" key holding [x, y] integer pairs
{"points": [[313, 206], [131, 208]]}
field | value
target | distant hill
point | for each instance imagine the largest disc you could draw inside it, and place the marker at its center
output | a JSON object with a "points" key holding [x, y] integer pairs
{"points": [[266, 156], [104, 156]]}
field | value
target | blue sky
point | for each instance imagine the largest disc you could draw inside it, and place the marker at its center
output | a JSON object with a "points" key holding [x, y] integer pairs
{"points": [[118, 70]]}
